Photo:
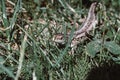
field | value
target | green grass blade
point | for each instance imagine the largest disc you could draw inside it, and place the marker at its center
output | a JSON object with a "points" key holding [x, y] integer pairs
{"points": [[17, 9], [4, 16], [22, 53], [62, 54]]}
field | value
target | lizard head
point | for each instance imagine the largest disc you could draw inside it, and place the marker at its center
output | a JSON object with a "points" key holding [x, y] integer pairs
{"points": [[59, 38]]}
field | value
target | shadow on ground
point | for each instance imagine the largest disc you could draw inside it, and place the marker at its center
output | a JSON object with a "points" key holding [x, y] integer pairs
{"points": [[107, 71]]}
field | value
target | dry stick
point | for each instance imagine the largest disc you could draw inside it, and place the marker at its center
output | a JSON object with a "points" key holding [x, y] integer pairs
{"points": [[22, 52]]}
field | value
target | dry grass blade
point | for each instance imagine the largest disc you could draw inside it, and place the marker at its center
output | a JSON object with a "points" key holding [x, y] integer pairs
{"points": [[22, 52]]}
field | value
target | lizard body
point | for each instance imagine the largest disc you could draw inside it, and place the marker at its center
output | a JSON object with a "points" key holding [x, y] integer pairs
{"points": [[87, 26]]}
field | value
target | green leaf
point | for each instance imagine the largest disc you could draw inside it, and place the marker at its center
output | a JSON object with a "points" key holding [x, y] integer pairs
{"points": [[93, 47], [112, 47]]}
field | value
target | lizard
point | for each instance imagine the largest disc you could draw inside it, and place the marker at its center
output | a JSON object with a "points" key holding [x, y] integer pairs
{"points": [[87, 26]]}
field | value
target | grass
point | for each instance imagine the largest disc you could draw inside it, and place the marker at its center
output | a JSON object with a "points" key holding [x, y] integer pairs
{"points": [[37, 57]]}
